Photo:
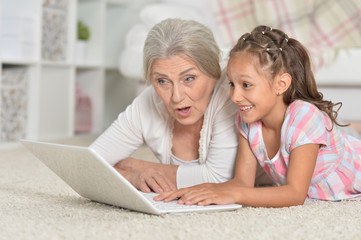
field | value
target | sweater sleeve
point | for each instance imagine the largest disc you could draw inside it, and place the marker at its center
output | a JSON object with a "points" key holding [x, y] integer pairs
{"points": [[124, 135]]}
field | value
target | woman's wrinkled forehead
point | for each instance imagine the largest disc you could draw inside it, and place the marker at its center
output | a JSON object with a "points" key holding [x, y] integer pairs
{"points": [[175, 65], [182, 59]]}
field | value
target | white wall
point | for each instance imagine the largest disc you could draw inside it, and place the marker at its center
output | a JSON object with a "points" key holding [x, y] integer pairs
{"points": [[340, 81]]}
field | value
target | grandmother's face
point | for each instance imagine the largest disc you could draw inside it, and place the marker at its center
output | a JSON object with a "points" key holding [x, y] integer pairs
{"points": [[183, 87]]}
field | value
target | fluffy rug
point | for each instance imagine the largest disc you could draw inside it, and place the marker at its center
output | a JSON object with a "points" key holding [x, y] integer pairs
{"points": [[36, 204]]}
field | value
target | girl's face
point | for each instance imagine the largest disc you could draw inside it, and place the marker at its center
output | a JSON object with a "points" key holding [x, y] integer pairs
{"points": [[255, 94], [183, 87]]}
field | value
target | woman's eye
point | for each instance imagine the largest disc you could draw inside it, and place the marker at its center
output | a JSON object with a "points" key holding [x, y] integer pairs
{"points": [[189, 79], [161, 81], [231, 84], [246, 85]]}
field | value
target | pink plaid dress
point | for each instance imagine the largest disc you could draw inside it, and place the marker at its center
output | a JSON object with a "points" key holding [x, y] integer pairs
{"points": [[337, 173]]}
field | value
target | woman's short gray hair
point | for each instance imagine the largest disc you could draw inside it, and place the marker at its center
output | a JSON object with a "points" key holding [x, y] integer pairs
{"points": [[171, 37]]}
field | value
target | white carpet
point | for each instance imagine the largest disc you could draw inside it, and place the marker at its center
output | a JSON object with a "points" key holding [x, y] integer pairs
{"points": [[36, 204]]}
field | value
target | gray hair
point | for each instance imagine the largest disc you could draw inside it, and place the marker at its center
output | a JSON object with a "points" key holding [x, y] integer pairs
{"points": [[172, 37]]}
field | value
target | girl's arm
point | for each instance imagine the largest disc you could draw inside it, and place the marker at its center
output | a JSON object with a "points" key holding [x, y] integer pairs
{"points": [[299, 175], [300, 171], [245, 173], [246, 164]]}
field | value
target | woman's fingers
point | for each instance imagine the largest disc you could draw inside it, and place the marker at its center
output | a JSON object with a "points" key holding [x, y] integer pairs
{"points": [[152, 183], [164, 183], [143, 186], [158, 183], [151, 180]]}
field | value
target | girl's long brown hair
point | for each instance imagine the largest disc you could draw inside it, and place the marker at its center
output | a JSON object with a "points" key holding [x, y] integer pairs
{"points": [[276, 54]]}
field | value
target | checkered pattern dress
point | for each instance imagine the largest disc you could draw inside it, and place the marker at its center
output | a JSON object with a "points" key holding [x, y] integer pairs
{"points": [[337, 174]]}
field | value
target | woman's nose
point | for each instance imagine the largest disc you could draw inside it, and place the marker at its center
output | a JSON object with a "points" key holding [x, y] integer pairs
{"points": [[178, 93]]}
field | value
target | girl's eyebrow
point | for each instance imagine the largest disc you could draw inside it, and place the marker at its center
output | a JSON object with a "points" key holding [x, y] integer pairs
{"points": [[241, 77], [244, 76]]}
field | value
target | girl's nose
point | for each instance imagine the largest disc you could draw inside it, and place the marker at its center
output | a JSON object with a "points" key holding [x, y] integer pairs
{"points": [[236, 96]]}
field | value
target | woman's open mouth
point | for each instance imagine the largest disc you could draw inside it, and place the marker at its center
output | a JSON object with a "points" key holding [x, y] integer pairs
{"points": [[184, 112]]}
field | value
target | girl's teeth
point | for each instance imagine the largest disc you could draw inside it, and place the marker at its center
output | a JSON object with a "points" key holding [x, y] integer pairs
{"points": [[246, 108]]}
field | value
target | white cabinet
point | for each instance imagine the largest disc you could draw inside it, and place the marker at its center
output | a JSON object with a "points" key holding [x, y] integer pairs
{"points": [[41, 67]]}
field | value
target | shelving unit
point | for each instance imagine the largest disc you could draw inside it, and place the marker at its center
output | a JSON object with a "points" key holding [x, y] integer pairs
{"points": [[40, 36]]}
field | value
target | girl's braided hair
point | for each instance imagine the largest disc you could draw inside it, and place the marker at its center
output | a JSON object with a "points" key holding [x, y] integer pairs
{"points": [[277, 54]]}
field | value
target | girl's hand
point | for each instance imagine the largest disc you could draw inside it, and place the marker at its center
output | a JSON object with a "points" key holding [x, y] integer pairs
{"points": [[202, 195]]}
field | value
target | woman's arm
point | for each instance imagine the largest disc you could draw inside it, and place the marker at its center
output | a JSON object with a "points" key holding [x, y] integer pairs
{"points": [[115, 144], [126, 135]]}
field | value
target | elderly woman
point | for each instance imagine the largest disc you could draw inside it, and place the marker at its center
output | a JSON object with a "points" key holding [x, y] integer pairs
{"points": [[185, 116]]}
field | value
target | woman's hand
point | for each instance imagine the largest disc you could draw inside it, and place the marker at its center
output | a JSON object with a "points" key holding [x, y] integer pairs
{"points": [[203, 194], [147, 176]]}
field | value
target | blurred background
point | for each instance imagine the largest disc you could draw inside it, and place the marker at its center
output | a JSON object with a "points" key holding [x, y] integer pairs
{"points": [[69, 67]]}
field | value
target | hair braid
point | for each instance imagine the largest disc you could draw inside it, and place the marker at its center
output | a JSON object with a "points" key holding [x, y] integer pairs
{"points": [[277, 53]]}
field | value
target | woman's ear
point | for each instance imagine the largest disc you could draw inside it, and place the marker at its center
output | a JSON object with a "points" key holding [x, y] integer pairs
{"points": [[283, 83]]}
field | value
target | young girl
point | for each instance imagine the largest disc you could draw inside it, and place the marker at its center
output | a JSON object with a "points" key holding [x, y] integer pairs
{"points": [[285, 125]]}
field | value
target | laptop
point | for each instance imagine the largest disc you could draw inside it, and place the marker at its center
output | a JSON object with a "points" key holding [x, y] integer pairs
{"points": [[88, 174]]}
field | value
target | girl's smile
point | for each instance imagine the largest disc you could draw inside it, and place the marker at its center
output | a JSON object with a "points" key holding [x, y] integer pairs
{"points": [[254, 93], [245, 108]]}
